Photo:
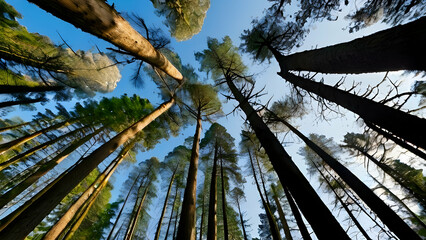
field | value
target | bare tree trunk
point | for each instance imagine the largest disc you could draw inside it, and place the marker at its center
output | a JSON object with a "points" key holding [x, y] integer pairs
{"points": [[171, 213], [315, 211], [224, 215], [98, 18], [186, 229], [7, 89], [212, 218], [242, 221], [34, 214], [397, 48], [20, 102], [202, 220], [3, 129], [282, 215]]}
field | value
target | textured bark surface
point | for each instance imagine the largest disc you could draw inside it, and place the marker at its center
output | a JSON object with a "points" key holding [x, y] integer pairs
{"points": [[22, 225], [398, 48], [98, 18]]}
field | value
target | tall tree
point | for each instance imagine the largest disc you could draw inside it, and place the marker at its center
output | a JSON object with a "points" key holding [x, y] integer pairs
{"points": [[237, 194]]}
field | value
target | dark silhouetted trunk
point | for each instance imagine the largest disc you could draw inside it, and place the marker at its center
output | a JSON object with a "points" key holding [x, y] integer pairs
{"points": [[397, 48], [202, 219], [212, 218], [404, 125], [242, 221], [26, 89], [29, 218], [224, 215], [171, 213], [20, 102], [281, 214], [4, 129], [297, 216], [315, 211]]}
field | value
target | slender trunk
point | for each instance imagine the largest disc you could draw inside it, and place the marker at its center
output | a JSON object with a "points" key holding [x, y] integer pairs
{"points": [[263, 181], [34, 214], [17, 142], [202, 220], [171, 213], [397, 48], [353, 218], [212, 218], [383, 211], [397, 140], [275, 233], [20, 102], [186, 229], [96, 187], [404, 125], [282, 215], [26, 89], [242, 221], [157, 233], [98, 18], [225, 216], [315, 211], [122, 208], [4, 129], [31, 151], [176, 220], [44, 168]]}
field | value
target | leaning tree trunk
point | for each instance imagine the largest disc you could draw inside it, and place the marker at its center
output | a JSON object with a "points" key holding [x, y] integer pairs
{"points": [[315, 211], [17, 142], [202, 219], [242, 221], [20, 102], [224, 215], [186, 229], [98, 18], [383, 211], [212, 217], [96, 186], [8, 89], [397, 48], [22, 225], [404, 125], [7, 128], [281, 213], [44, 168]]}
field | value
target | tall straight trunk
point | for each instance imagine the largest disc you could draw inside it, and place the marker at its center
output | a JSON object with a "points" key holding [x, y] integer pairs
{"points": [[202, 220], [383, 211], [34, 214], [397, 48], [348, 211], [262, 180], [43, 169], [122, 207], [403, 125], [98, 18], [186, 229], [224, 215], [315, 211], [275, 233], [17, 142], [96, 186], [171, 212], [397, 140], [7, 128], [25, 89], [281, 214], [163, 212], [20, 102], [175, 229], [44, 145], [212, 218], [242, 221], [297, 216]]}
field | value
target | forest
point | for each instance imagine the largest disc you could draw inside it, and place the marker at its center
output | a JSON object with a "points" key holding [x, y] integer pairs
{"points": [[193, 120]]}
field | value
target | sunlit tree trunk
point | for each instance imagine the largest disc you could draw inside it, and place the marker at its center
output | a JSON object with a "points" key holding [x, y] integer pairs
{"points": [[212, 218], [186, 229], [281, 214], [98, 18], [26, 89], [20, 102], [397, 48], [224, 215], [315, 211], [22, 225]]}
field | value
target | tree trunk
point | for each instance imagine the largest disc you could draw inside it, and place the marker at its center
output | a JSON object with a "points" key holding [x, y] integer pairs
{"points": [[275, 233], [34, 214], [7, 89], [7, 128], [212, 218], [202, 220], [44, 167], [404, 125], [171, 213], [186, 229], [242, 221], [282, 215], [98, 18], [157, 233], [17, 142], [176, 220], [225, 216], [96, 187], [20, 102], [383, 211], [397, 48], [31, 151], [263, 181], [315, 211]]}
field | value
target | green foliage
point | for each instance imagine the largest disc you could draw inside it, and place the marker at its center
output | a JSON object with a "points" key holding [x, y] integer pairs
{"points": [[201, 98], [409, 175]]}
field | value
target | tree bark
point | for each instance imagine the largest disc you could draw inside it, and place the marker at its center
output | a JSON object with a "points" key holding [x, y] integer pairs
{"points": [[186, 229], [20, 102], [7, 89], [224, 215], [397, 48], [34, 214], [315, 211], [282, 215], [404, 125], [202, 220], [383, 211], [171, 213], [98, 18], [242, 221], [212, 218]]}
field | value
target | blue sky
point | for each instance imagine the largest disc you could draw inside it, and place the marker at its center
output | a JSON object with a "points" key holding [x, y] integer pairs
{"points": [[223, 18]]}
